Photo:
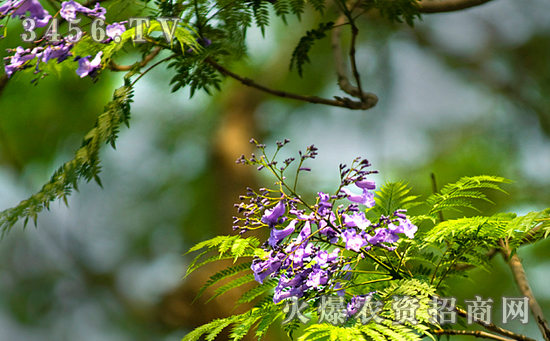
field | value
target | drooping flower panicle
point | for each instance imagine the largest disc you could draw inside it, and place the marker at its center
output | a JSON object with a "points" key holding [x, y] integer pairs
{"points": [[314, 249]]}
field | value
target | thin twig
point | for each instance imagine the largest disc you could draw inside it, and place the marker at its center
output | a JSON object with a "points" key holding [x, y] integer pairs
{"points": [[337, 102], [448, 5], [435, 191], [343, 81], [523, 284], [151, 67], [115, 67], [354, 33], [477, 334]]}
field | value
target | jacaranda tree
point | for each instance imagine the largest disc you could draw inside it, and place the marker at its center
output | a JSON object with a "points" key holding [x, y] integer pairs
{"points": [[340, 266]]}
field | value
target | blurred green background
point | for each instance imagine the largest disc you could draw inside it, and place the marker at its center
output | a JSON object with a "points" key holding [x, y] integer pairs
{"points": [[462, 93]]}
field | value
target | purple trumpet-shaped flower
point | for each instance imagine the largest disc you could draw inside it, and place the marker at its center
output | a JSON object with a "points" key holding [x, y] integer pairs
{"points": [[366, 184], [317, 277], [114, 30], [356, 220], [264, 268], [87, 68], [405, 226], [69, 10], [60, 51], [271, 217], [21, 56], [357, 303], [323, 257], [382, 235], [278, 235], [409, 229], [366, 198], [324, 205], [353, 240], [296, 254]]}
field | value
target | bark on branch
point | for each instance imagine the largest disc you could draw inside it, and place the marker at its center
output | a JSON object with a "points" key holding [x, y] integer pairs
{"points": [[523, 284]]}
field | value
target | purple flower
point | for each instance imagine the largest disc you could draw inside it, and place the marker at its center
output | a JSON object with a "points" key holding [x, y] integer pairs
{"points": [[85, 67], [366, 184], [21, 56], [405, 226], [356, 220], [69, 10], [20, 8], [296, 254], [60, 51], [278, 235], [271, 217], [353, 240], [264, 268], [365, 198], [382, 235], [114, 30], [281, 295], [357, 303], [317, 277], [305, 233], [324, 205], [323, 257]]}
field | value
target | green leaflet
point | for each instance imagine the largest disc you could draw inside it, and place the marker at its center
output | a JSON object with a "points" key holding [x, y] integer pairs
{"points": [[225, 273], [393, 196], [84, 166], [457, 195], [300, 54]]}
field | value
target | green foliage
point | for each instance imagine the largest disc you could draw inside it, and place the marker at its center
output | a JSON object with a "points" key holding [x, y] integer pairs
{"points": [[395, 10], [300, 55], [196, 74], [84, 166], [393, 196], [231, 271], [227, 247], [460, 194]]}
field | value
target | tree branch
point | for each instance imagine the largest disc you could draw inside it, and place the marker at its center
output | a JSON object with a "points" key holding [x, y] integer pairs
{"points": [[115, 67], [343, 81], [477, 334], [523, 284], [337, 102], [430, 7]]}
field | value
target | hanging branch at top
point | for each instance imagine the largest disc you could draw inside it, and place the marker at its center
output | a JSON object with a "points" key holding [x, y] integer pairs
{"points": [[430, 7]]}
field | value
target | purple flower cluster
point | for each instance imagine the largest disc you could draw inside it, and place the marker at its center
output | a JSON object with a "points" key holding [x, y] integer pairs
{"points": [[316, 248], [69, 10], [59, 50], [20, 9], [22, 57]]}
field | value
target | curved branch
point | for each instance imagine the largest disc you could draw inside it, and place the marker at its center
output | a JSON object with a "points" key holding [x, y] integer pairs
{"points": [[343, 81], [429, 7], [523, 284], [337, 102], [115, 67], [477, 334]]}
